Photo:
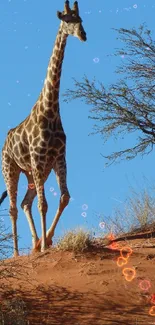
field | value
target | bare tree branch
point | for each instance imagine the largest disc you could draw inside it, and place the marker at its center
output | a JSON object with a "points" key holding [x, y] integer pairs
{"points": [[129, 105]]}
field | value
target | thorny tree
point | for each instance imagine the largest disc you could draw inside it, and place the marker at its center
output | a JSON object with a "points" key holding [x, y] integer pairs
{"points": [[129, 105]]}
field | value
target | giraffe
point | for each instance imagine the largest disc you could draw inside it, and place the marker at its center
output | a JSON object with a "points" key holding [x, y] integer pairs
{"points": [[38, 144]]}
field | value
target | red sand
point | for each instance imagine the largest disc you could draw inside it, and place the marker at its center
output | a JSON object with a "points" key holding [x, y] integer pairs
{"points": [[86, 288]]}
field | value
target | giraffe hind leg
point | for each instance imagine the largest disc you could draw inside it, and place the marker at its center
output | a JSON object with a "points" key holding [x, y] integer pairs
{"points": [[26, 205], [11, 176]]}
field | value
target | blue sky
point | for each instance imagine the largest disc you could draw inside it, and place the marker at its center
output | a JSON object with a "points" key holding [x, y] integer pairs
{"points": [[28, 32]]}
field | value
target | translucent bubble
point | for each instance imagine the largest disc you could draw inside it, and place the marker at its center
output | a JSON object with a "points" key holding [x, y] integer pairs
{"points": [[51, 189], [88, 12], [100, 11], [123, 56], [9, 103], [71, 199], [135, 6], [84, 214], [102, 225], [96, 60], [127, 9], [26, 47], [84, 207], [55, 193], [17, 81], [145, 285]]}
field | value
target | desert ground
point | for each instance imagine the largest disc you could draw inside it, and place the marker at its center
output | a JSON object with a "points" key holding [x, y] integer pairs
{"points": [[107, 284]]}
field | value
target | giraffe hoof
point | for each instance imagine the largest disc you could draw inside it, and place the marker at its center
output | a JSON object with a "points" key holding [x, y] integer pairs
{"points": [[15, 255], [38, 245], [49, 242]]}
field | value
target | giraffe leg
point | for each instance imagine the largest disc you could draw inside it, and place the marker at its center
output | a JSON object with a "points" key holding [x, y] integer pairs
{"points": [[61, 173], [11, 176], [61, 176], [26, 205], [38, 177]]}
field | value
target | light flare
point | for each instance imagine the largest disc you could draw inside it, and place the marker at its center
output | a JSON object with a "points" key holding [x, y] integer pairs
{"points": [[129, 274]]}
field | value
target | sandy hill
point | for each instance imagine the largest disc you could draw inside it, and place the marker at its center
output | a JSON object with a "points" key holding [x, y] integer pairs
{"points": [[94, 287]]}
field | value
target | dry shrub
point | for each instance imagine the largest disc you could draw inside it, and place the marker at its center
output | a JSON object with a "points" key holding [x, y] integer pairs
{"points": [[5, 241], [137, 212], [14, 312], [75, 240]]}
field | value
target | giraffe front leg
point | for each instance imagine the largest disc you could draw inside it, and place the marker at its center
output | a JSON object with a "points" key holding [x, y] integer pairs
{"points": [[64, 200], [42, 207], [38, 177], [61, 175]]}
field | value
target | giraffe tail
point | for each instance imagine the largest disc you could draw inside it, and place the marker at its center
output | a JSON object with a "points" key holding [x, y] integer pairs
{"points": [[3, 196]]}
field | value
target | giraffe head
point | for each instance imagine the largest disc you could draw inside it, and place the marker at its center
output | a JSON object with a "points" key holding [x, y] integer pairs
{"points": [[72, 22]]}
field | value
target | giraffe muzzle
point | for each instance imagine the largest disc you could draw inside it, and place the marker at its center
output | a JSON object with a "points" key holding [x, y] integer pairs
{"points": [[83, 36]]}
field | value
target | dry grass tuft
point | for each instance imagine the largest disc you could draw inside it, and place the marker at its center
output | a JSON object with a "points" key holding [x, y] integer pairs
{"points": [[75, 240], [143, 208], [137, 212]]}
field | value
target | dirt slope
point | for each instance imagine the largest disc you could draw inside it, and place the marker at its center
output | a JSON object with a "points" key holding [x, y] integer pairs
{"points": [[90, 288]]}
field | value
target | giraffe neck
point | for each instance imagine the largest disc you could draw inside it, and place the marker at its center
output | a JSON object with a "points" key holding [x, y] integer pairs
{"points": [[50, 92]]}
